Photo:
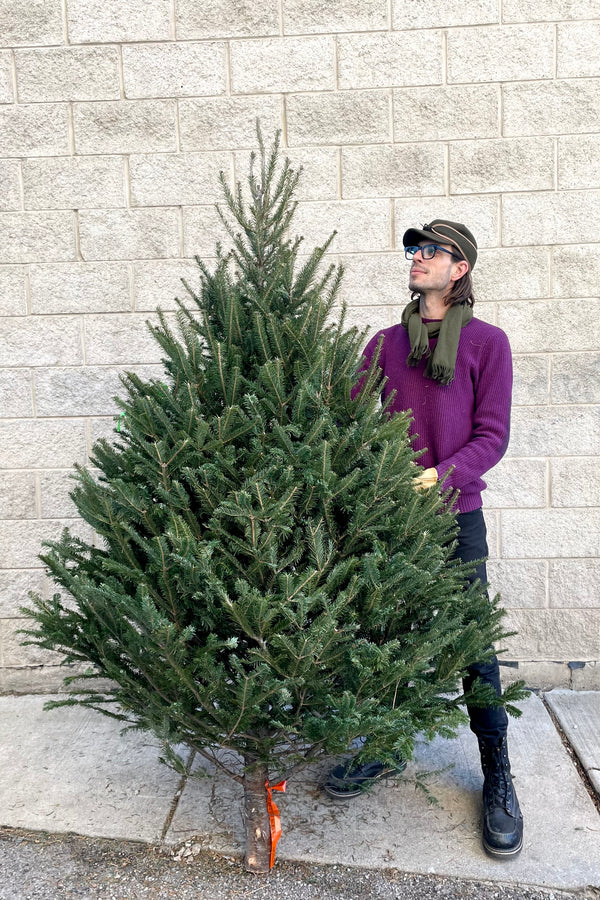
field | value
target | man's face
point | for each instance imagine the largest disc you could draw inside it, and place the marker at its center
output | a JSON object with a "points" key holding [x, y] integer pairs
{"points": [[433, 274]]}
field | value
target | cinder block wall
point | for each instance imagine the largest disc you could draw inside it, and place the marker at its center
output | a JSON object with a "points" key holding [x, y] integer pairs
{"points": [[115, 119]]}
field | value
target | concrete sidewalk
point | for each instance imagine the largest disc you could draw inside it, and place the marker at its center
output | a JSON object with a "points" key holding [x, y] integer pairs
{"points": [[70, 770]]}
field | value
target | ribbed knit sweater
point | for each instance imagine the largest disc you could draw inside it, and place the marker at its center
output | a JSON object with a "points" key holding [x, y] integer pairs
{"points": [[463, 426]]}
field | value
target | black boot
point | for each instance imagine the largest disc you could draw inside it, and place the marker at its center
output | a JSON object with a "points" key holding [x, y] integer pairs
{"points": [[502, 819], [351, 780]]}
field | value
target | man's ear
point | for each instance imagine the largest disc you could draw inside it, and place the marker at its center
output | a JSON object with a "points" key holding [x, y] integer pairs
{"points": [[460, 268]]}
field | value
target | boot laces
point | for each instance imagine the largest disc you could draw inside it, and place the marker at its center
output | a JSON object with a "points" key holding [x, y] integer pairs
{"points": [[499, 776]]}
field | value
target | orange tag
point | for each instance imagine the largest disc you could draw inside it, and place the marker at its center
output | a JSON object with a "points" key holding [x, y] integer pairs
{"points": [[274, 818]]}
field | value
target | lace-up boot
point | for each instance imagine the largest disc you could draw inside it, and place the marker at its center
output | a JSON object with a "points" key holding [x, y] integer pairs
{"points": [[502, 819], [350, 779]]}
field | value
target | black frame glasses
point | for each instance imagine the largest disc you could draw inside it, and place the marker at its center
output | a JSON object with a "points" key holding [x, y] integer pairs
{"points": [[426, 251]]}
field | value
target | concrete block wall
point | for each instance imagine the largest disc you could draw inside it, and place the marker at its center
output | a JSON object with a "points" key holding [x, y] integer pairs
{"points": [[115, 119]]}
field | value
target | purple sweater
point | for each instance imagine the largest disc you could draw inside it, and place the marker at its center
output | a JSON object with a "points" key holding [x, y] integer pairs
{"points": [[464, 425]]}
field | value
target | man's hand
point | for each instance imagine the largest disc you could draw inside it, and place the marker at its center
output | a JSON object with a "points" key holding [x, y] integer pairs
{"points": [[426, 479]]}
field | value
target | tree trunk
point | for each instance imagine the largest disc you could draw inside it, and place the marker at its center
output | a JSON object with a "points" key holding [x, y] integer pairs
{"points": [[256, 816]]}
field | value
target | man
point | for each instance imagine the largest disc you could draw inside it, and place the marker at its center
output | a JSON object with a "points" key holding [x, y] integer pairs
{"points": [[454, 372]]}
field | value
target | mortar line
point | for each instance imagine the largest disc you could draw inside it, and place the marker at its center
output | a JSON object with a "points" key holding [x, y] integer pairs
{"points": [[232, 169], [173, 21], [500, 208], [82, 333], [127, 180], [34, 414], [444, 57], [65, 18], [13, 75], [121, 71], [178, 795], [131, 278], [78, 252], [71, 127], [500, 110], [284, 129], [181, 233], [178, 145], [447, 167], [21, 181], [228, 91], [336, 73], [88, 441], [38, 495], [28, 290]]}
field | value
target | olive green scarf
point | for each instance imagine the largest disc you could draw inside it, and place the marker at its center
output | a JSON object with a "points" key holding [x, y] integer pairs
{"points": [[440, 363]]}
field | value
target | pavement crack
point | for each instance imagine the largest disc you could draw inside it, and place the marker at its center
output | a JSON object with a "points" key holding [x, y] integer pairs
{"points": [[581, 771], [213, 805], [177, 797]]}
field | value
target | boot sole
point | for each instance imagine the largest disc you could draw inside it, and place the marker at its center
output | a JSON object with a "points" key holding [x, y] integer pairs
{"points": [[362, 788], [502, 854], [346, 795]]}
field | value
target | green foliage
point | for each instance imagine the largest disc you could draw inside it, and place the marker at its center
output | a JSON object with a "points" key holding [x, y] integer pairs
{"points": [[265, 578]]}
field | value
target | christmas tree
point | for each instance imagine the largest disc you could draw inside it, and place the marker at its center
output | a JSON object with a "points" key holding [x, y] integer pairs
{"points": [[266, 579]]}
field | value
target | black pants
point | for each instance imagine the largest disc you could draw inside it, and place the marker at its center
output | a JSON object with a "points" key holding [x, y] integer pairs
{"points": [[487, 723]]}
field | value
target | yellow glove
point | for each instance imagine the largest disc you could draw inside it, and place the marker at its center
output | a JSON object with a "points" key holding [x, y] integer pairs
{"points": [[426, 479]]}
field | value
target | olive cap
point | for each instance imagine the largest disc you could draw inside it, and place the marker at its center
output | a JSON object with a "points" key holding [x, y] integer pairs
{"points": [[445, 232]]}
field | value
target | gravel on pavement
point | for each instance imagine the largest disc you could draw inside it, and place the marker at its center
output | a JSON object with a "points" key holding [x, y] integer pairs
{"points": [[43, 866]]}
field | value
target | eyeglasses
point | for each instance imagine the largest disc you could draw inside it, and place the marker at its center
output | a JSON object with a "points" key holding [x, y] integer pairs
{"points": [[428, 251]]}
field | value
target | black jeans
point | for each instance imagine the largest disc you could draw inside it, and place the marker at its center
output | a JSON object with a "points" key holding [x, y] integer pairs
{"points": [[488, 723]]}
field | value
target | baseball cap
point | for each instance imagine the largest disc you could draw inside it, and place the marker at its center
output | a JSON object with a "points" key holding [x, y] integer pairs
{"points": [[443, 231]]}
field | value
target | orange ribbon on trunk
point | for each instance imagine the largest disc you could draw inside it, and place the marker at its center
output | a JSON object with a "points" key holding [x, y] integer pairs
{"points": [[274, 817]]}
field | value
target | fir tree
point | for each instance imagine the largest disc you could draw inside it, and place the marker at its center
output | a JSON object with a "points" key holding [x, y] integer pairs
{"points": [[266, 579]]}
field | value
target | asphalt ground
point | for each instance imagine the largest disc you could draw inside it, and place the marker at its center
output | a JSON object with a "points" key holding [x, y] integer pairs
{"points": [[45, 866]]}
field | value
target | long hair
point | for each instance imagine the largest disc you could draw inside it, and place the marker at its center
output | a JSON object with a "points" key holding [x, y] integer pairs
{"points": [[461, 291]]}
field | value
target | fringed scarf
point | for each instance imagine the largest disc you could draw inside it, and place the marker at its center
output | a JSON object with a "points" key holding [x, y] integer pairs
{"points": [[440, 363]]}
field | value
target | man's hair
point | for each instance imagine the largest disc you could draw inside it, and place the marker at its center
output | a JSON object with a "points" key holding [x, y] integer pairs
{"points": [[461, 291]]}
